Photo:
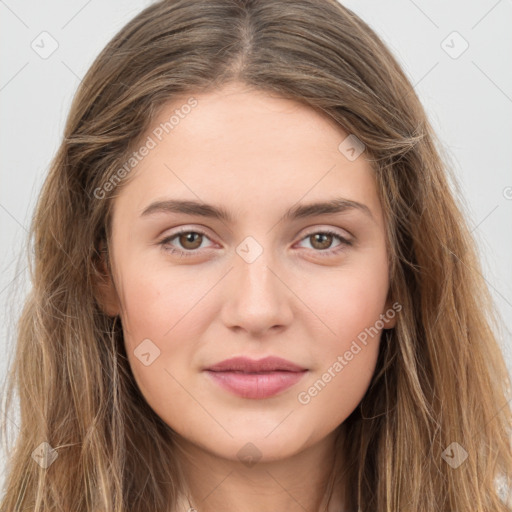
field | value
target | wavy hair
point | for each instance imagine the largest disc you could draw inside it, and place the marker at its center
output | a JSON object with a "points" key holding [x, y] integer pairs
{"points": [[440, 377]]}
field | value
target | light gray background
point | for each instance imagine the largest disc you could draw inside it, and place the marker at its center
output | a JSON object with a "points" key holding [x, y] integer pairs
{"points": [[468, 100]]}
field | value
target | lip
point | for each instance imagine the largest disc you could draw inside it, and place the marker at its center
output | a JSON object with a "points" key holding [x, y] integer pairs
{"points": [[256, 379], [245, 364]]}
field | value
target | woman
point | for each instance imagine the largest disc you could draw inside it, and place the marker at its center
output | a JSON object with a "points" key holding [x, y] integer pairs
{"points": [[253, 288]]}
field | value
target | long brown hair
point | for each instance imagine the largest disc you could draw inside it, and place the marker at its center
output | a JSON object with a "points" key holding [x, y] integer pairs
{"points": [[440, 391]]}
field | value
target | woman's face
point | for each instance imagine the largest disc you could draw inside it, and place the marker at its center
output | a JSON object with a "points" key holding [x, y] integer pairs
{"points": [[263, 280]]}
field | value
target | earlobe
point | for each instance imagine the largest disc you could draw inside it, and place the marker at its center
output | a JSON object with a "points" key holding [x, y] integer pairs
{"points": [[106, 294], [389, 323]]}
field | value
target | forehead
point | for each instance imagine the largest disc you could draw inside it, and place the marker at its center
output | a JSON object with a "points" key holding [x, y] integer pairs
{"points": [[237, 146]]}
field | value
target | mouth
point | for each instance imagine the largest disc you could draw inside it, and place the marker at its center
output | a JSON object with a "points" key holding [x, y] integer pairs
{"points": [[248, 365], [256, 379]]}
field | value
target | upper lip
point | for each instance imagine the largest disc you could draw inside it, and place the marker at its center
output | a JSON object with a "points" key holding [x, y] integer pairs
{"points": [[245, 364]]}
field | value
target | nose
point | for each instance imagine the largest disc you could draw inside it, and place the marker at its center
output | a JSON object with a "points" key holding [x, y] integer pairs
{"points": [[258, 297]]}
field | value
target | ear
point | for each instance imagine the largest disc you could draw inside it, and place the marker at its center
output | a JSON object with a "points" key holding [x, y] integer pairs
{"points": [[106, 294], [390, 313]]}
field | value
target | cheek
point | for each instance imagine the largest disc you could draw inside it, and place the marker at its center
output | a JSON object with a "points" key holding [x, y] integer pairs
{"points": [[347, 359], [161, 325], [349, 299], [159, 303], [171, 309], [349, 302]]}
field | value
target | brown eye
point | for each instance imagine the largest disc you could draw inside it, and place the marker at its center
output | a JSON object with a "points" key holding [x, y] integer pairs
{"points": [[184, 243], [189, 240], [321, 241]]}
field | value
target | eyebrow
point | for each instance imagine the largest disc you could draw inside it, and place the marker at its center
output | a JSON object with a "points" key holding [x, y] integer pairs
{"points": [[336, 205]]}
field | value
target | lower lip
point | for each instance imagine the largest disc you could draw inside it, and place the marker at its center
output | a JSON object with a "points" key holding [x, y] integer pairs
{"points": [[256, 385]]}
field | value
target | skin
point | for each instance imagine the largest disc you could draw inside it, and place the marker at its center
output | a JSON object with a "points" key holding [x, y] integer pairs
{"points": [[255, 154]]}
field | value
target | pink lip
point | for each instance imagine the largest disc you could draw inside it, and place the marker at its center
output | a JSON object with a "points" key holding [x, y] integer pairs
{"points": [[245, 364], [257, 379]]}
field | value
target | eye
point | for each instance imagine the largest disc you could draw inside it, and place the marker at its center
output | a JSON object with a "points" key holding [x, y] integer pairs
{"points": [[190, 241], [322, 241]]}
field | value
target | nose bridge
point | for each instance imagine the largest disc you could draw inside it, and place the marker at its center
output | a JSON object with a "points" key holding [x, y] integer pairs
{"points": [[258, 278], [258, 299]]}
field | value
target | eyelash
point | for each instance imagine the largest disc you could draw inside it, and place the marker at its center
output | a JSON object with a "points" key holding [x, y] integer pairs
{"points": [[324, 253]]}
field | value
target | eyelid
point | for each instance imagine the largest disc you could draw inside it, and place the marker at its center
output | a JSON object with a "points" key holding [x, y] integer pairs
{"points": [[342, 233], [184, 229], [344, 240]]}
